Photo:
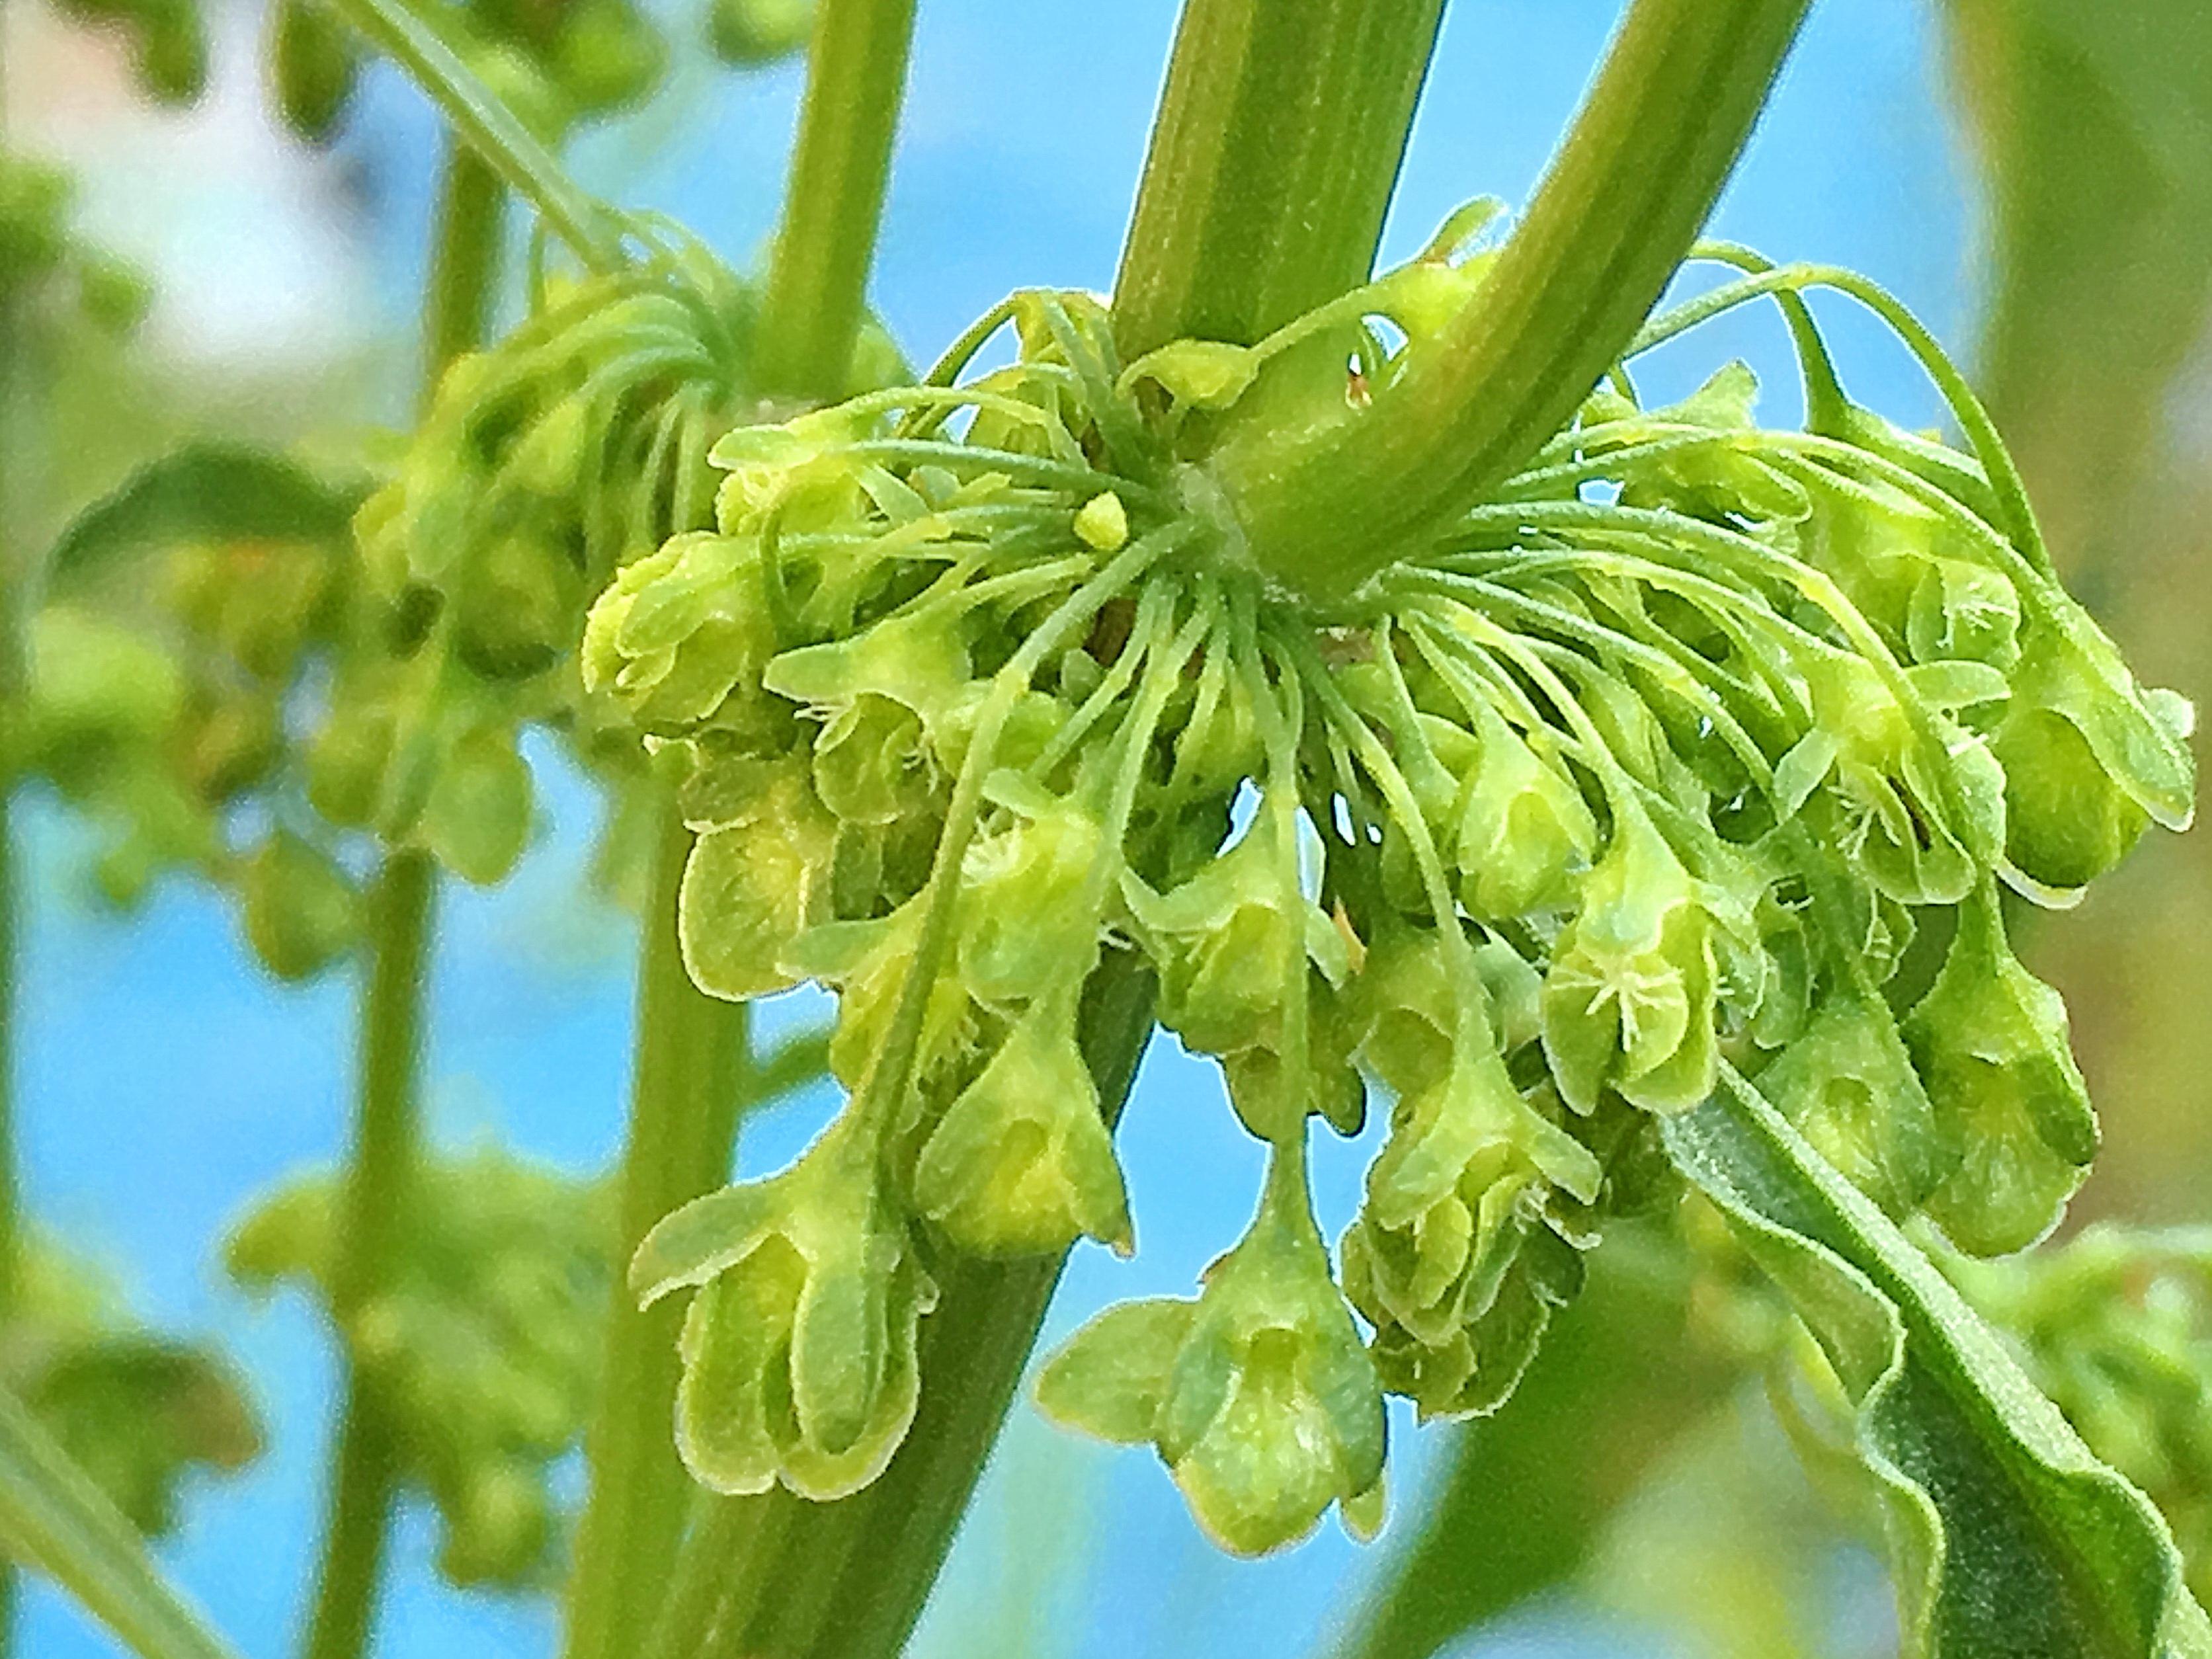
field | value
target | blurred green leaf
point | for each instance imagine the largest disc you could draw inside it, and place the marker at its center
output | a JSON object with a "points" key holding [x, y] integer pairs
{"points": [[53, 1517], [1526, 1494], [2093, 120], [2007, 1534], [207, 491], [138, 1410]]}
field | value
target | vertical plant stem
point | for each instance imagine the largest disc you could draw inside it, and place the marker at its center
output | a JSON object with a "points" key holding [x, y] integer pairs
{"points": [[372, 1207], [1272, 161], [818, 278], [692, 1056], [365, 1465]]}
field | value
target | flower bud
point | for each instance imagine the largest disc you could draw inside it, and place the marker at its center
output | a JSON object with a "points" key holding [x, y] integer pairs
{"points": [[1989, 1041], [868, 962], [1259, 1396], [1024, 926], [1849, 1086], [870, 764], [679, 632], [1225, 942], [1021, 1163], [476, 817], [1525, 835], [1922, 823], [756, 879], [1475, 1370], [798, 1350], [1630, 1000], [1964, 612], [302, 914]]}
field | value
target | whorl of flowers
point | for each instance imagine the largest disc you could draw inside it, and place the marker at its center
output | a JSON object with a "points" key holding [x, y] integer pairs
{"points": [[575, 443], [480, 1344], [1653, 764]]}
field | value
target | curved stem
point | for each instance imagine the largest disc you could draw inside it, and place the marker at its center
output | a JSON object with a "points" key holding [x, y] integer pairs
{"points": [[372, 1205], [491, 128], [365, 1468], [817, 279], [1326, 505], [691, 1071]]}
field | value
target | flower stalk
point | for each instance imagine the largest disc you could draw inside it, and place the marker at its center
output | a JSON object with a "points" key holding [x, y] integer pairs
{"points": [[1326, 504], [685, 1092], [387, 1127]]}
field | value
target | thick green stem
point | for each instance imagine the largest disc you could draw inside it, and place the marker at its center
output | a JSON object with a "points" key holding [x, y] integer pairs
{"points": [[817, 280], [372, 1209], [1271, 166], [365, 1467], [691, 1053], [1325, 505], [779, 1577]]}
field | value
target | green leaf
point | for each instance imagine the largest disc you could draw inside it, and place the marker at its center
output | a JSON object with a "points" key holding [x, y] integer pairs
{"points": [[54, 1519], [2008, 1535], [210, 491]]}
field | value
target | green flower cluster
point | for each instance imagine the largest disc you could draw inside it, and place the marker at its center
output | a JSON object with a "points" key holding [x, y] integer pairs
{"points": [[165, 714], [555, 66], [480, 1341], [546, 462], [136, 1410], [1662, 757], [2116, 1328]]}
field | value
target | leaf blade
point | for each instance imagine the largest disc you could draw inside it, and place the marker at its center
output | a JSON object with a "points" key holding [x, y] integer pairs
{"points": [[52, 1518], [2010, 1536], [208, 491]]}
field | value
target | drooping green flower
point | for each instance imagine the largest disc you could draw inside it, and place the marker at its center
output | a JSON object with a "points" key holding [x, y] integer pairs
{"points": [[482, 1338], [1258, 1397], [1989, 1041], [798, 1347]]}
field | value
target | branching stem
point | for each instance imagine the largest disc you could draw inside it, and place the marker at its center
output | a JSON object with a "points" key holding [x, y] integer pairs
{"points": [[1326, 504], [691, 1054]]}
